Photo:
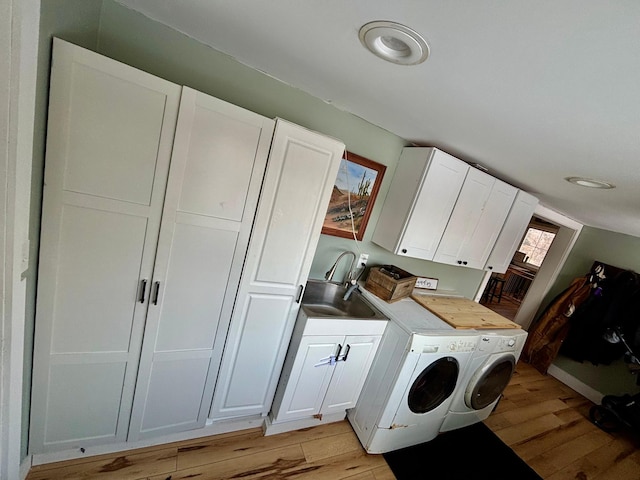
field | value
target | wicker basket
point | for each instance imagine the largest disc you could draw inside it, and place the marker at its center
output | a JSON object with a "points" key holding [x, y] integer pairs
{"points": [[390, 283]]}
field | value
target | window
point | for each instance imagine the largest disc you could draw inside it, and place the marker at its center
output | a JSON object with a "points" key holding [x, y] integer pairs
{"points": [[535, 245]]}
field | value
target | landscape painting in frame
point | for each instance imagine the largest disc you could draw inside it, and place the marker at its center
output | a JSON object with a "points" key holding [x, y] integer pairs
{"points": [[358, 180]]}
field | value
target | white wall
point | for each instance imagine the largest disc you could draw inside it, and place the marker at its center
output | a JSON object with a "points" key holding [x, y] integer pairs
{"points": [[18, 60]]}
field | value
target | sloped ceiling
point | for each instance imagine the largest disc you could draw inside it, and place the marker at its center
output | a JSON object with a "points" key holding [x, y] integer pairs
{"points": [[535, 91]]}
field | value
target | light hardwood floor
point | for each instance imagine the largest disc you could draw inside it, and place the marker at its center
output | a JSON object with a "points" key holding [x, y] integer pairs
{"points": [[507, 306], [542, 420]]}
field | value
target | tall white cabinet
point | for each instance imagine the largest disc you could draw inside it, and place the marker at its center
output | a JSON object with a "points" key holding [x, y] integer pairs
{"points": [[108, 150], [217, 165], [149, 210], [300, 175]]}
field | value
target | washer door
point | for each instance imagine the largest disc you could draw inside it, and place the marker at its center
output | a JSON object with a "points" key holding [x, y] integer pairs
{"points": [[489, 381], [434, 385]]}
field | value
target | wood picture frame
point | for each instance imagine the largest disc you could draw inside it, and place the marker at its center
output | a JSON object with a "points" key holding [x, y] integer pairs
{"points": [[358, 179]]}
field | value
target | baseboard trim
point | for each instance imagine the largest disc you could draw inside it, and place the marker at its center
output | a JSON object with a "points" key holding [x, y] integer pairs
{"points": [[212, 428], [575, 384], [25, 466], [270, 428]]}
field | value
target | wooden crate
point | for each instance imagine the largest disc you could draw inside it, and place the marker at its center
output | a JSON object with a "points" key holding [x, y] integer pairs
{"points": [[390, 283]]}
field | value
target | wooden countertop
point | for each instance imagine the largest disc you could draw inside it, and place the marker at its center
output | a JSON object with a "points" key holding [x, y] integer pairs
{"points": [[463, 313]]}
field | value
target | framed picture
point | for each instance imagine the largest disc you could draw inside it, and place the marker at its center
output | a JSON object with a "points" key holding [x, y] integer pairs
{"points": [[357, 183]]}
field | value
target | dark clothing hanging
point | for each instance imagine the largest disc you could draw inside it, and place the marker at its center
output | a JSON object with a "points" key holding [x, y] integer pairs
{"points": [[547, 334], [614, 306]]}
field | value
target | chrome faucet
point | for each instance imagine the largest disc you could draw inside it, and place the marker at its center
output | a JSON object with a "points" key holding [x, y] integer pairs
{"points": [[349, 275]]}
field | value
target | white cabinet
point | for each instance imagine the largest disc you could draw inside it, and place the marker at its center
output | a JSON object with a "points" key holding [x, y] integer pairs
{"points": [[439, 208], [476, 220], [421, 197], [312, 386], [217, 166], [140, 262], [301, 171], [512, 232], [108, 148]]}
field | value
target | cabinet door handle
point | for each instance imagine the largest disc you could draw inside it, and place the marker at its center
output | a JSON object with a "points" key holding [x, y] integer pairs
{"points": [[346, 353], [299, 296], [156, 292], [142, 290], [464, 262], [337, 355]]}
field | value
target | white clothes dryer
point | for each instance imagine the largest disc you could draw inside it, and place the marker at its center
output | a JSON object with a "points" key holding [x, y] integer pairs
{"points": [[491, 368], [410, 386]]}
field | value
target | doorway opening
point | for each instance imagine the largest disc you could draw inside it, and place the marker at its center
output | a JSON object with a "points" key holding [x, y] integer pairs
{"points": [[504, 292]]}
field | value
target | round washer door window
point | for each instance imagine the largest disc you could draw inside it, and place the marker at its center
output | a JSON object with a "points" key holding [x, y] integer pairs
{"points": [[490, 383], [434, 385]]}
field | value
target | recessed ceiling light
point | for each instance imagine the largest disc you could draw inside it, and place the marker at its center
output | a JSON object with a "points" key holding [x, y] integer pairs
{"points": [[590, 183], [394, 42]]}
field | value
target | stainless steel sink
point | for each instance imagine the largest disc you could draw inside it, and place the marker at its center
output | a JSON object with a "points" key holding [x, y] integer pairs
{"points": [[325, 299]]}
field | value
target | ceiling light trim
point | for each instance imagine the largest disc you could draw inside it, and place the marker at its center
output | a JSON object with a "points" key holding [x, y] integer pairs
{"points": [[394, 42], [590, 182]]}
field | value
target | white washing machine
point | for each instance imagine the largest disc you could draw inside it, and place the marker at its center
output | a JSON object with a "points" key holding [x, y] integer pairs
{"points": [[408, 392], [489, 373]]}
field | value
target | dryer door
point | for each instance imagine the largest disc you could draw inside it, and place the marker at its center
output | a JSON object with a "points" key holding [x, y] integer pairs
{"points": [[489, 381], [428, 393], [433, 385]]}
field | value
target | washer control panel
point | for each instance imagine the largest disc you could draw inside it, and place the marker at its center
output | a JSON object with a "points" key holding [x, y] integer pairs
{"points": [[462, 345], [509, 344], [443, 344]]}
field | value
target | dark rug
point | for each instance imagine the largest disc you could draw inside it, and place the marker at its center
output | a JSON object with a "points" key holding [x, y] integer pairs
{"points": [[466, 453]]}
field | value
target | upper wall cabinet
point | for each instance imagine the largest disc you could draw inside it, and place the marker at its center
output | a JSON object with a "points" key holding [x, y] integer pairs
{"points": [[422, 195], [512, 232], [476, 220], [439, 208]]}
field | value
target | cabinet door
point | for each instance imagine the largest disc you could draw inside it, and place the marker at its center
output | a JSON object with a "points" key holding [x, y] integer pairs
{"points": [[465, 218], [512, 232], [217, 166], [477, 249], [309, 377], [109, 140], [433, 205], [349, 375], [301, 171]]}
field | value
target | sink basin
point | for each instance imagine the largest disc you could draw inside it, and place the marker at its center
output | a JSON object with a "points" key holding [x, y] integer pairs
{"points": [[325, 300]]}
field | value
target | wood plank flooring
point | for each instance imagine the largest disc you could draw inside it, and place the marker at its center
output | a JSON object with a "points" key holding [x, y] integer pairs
{"points": [[507, 306], [542, 420]]}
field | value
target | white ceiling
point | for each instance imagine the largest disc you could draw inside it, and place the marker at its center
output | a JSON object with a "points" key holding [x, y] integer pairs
{"points": [[534, 90]]}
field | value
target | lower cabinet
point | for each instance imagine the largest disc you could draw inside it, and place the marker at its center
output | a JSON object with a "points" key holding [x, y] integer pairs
{"points": [[326, 366]]}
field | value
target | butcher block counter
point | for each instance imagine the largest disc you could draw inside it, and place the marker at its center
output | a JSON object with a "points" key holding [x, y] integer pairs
{"points": [[462, 313], [421, 312]]}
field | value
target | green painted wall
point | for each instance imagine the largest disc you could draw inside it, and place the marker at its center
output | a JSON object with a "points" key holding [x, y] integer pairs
{"points": [[613, 249], [595, 244], [134, 39]]}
